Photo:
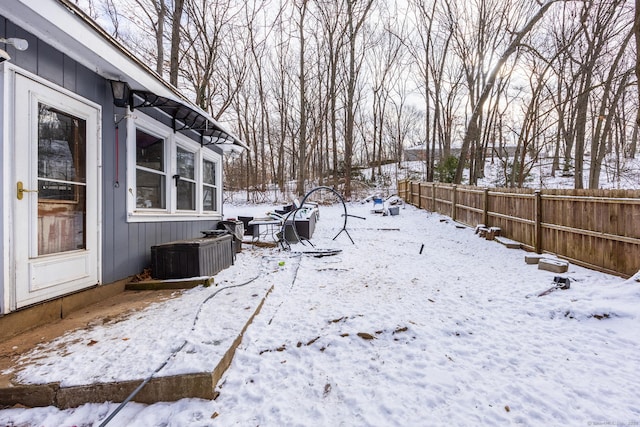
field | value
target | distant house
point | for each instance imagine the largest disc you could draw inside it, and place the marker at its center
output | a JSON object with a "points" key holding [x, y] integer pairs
{"points": [[101, 158], [418, 153]]}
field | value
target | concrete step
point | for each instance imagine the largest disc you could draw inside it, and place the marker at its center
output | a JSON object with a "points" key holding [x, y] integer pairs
{"points": [[158, 389], [553, 265], [511, 244]]}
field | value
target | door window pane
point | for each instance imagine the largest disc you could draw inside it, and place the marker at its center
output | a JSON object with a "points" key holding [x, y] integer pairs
{"points": [[61, 142], [61, 181]]}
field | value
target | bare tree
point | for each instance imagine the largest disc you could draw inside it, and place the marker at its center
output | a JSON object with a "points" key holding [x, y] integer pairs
{"points": [[281, 82], [321, 113], [174, 55], [306, 86], [258, 46], [610, 96], [302, 136], [478, 33], [594, 20], [472, 132], [389, 69], [420, 48], [357, 12], [330, 17], [401, 124], [214, 69], [134, 24]]}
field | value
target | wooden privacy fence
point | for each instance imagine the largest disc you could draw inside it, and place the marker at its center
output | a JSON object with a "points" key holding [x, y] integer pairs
{"points": [[598, 229]]}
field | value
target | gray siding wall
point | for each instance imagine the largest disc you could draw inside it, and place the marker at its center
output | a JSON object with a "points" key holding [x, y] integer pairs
{"points": [[126, 247]]}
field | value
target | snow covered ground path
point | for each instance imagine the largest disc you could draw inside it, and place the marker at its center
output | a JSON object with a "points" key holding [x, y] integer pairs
{"points": [[382, 334]]}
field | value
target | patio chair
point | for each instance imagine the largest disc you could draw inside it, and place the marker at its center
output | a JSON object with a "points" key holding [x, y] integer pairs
{"points": [[378, 205], [248, 229]]}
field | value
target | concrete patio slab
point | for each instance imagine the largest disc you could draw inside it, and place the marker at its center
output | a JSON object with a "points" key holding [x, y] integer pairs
{"points": [[161, 388]]}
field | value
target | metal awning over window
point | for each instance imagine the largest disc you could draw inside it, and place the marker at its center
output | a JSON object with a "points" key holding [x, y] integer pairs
{"points": [[184, 118]]}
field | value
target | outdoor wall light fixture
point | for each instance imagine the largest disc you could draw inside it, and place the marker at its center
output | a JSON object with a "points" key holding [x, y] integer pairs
{"points": [[19, 44], [121, 93]]}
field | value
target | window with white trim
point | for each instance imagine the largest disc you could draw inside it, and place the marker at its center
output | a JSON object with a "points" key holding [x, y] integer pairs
{"points": [[186, 179], [170, 177], [209, 186], [150, 171]]}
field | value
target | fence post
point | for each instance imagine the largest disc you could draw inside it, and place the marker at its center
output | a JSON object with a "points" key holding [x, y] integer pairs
{"points": [[485, 207], [454, 202], [538, 222], [433, 197], [411, 193], [419, 195]]}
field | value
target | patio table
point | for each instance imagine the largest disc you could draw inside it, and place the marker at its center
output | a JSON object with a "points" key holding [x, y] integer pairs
{"points": [[263, 227]]}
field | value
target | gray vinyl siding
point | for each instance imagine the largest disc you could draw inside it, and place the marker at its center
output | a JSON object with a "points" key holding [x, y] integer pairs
{"points": [[126, 247]]}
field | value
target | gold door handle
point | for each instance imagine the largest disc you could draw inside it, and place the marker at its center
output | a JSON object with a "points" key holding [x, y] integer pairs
{"points": [[22, 190]]}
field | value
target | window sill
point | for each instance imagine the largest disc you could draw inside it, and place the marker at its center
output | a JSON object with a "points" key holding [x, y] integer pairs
{"points": [[139, 216]]}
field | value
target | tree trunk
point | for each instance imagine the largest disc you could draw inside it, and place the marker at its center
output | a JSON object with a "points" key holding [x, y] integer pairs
{"points": [[354, 28], [302, 151], [174, 63], [162, 12]]}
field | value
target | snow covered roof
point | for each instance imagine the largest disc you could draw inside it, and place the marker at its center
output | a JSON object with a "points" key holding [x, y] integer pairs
{"points": [[61, 24]]}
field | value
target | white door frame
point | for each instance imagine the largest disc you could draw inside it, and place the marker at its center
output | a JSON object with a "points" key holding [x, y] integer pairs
{"points": [[18, 233]]}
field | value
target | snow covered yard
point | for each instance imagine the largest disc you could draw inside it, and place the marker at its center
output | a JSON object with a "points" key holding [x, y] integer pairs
{"points": [[382, 334]]}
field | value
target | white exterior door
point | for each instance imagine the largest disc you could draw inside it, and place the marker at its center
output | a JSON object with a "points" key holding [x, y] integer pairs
{"points": [[55, 224]]}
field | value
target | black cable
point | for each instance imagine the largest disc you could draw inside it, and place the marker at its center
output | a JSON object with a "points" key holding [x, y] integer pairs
{"points": [[174, 353]]}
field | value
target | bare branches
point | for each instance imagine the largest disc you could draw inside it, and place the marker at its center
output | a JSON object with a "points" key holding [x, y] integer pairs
{"points": [[472, 132], [319, 88]]}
